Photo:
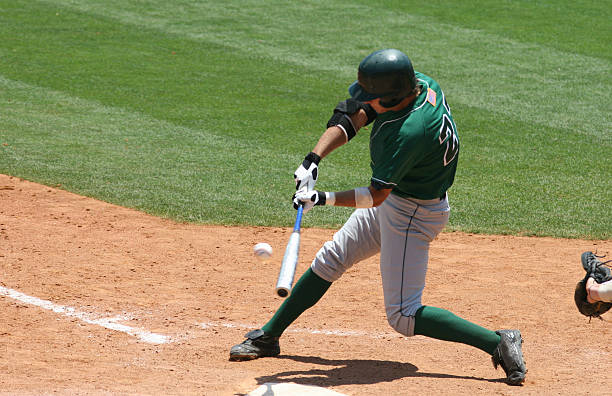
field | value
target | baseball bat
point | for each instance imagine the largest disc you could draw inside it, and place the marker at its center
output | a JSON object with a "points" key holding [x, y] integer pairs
{"points": [[290, 259]]}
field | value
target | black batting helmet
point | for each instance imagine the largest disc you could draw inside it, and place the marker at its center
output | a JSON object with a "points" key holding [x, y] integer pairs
{"points": [[384, 72]]}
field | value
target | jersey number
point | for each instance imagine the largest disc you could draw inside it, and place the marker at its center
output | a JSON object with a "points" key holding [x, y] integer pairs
{"points": [[448, 136]]}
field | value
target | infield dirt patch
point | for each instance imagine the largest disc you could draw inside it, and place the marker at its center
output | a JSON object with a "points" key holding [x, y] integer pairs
{"points": [[202, 287]]}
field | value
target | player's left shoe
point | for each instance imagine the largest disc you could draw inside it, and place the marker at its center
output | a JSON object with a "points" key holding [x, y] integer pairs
{"points": [[257, 344], [509, 355]]}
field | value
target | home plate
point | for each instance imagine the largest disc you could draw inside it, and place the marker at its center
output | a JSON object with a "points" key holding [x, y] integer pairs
{"points": [[286, 389]]}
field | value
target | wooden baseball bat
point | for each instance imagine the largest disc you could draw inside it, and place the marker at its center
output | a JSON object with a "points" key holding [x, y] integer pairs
{"points": [[290, 259]]}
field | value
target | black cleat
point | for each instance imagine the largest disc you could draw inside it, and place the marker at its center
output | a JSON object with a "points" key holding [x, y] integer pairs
{"points": [[509, 355], [256, 345]]}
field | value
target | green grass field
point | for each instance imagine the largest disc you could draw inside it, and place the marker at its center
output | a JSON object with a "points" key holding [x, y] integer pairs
{"points": [[200, 111]]}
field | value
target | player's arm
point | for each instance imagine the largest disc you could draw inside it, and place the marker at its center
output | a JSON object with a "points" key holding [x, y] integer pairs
{"points": [[349, 116], [360, 197], [341, 128]]}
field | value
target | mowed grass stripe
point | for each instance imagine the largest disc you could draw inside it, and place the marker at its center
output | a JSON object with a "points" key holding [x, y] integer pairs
{"points": [[97, 59], [515, 176], [553, 183], [98, 150], [523, 81]]}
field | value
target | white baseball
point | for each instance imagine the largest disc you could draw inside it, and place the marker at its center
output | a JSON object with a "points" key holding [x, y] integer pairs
{"points": [[262, 251]]}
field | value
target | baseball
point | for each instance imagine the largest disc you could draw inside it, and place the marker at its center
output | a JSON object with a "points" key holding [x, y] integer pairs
{"points": [[262, 251]]}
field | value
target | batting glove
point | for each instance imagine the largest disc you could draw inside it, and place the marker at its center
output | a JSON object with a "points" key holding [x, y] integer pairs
{"points": [[308, 199], [306, 174]]}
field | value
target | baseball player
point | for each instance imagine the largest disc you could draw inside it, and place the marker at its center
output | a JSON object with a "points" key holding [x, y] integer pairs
{"points": [[414, 150]]}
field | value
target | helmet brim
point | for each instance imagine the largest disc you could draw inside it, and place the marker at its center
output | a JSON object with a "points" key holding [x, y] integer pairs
{"points": [[358, 93]]}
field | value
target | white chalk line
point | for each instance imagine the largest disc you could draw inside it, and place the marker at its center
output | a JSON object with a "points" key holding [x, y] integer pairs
{"points": [[111, 323], [339, 333], [108, 323]]}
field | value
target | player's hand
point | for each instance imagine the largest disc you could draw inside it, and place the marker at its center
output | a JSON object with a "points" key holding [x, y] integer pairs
{"points": [[308, 199], [306, 174]]}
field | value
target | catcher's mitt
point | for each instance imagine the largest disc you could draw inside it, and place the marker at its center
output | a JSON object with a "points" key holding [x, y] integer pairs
{"points": [[600, 272]]}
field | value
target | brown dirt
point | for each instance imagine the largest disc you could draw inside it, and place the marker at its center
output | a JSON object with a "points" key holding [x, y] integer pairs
{"points": [[202, 286]]}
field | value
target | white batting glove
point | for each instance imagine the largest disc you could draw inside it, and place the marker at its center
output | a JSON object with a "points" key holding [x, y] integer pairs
{"points": [[305, 176], [308, 199]]}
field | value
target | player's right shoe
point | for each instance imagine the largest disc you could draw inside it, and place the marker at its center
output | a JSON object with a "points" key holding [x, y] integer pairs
{"points": [[509, 355], [256, 345]]}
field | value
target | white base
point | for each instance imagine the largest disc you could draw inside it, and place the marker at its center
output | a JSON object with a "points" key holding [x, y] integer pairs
{"points": [[286, 389]]}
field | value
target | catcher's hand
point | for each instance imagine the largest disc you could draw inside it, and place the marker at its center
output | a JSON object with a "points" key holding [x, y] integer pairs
{"points": [[600, 273]]}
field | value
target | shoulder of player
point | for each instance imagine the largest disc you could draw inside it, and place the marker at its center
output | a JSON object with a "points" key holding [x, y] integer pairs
{"points": [[415, 118], [429, 81], [431, 98], [425, 112]]}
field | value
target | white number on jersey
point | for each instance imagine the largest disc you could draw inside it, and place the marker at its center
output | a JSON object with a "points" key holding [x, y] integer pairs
{"points": [[448, 136]]}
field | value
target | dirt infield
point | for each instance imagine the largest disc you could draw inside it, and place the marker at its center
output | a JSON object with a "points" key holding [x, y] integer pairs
{"points": [[99, 299]]}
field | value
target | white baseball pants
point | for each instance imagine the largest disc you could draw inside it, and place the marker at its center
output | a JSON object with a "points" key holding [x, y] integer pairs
{"points": [[401, 229]]}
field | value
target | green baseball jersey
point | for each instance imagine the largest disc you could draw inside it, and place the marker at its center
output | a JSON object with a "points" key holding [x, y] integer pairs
{"points": [[415, 150]]}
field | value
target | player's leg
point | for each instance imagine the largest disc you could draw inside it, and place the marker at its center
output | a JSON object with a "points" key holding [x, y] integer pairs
{"points": [[357, 240], [407, 228]]}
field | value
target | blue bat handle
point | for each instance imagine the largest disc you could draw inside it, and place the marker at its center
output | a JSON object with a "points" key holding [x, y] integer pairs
{"points": [[298, 218]]}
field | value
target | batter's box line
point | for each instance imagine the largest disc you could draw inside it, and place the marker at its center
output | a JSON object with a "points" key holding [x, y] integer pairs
{"points": [[90, 318]]}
